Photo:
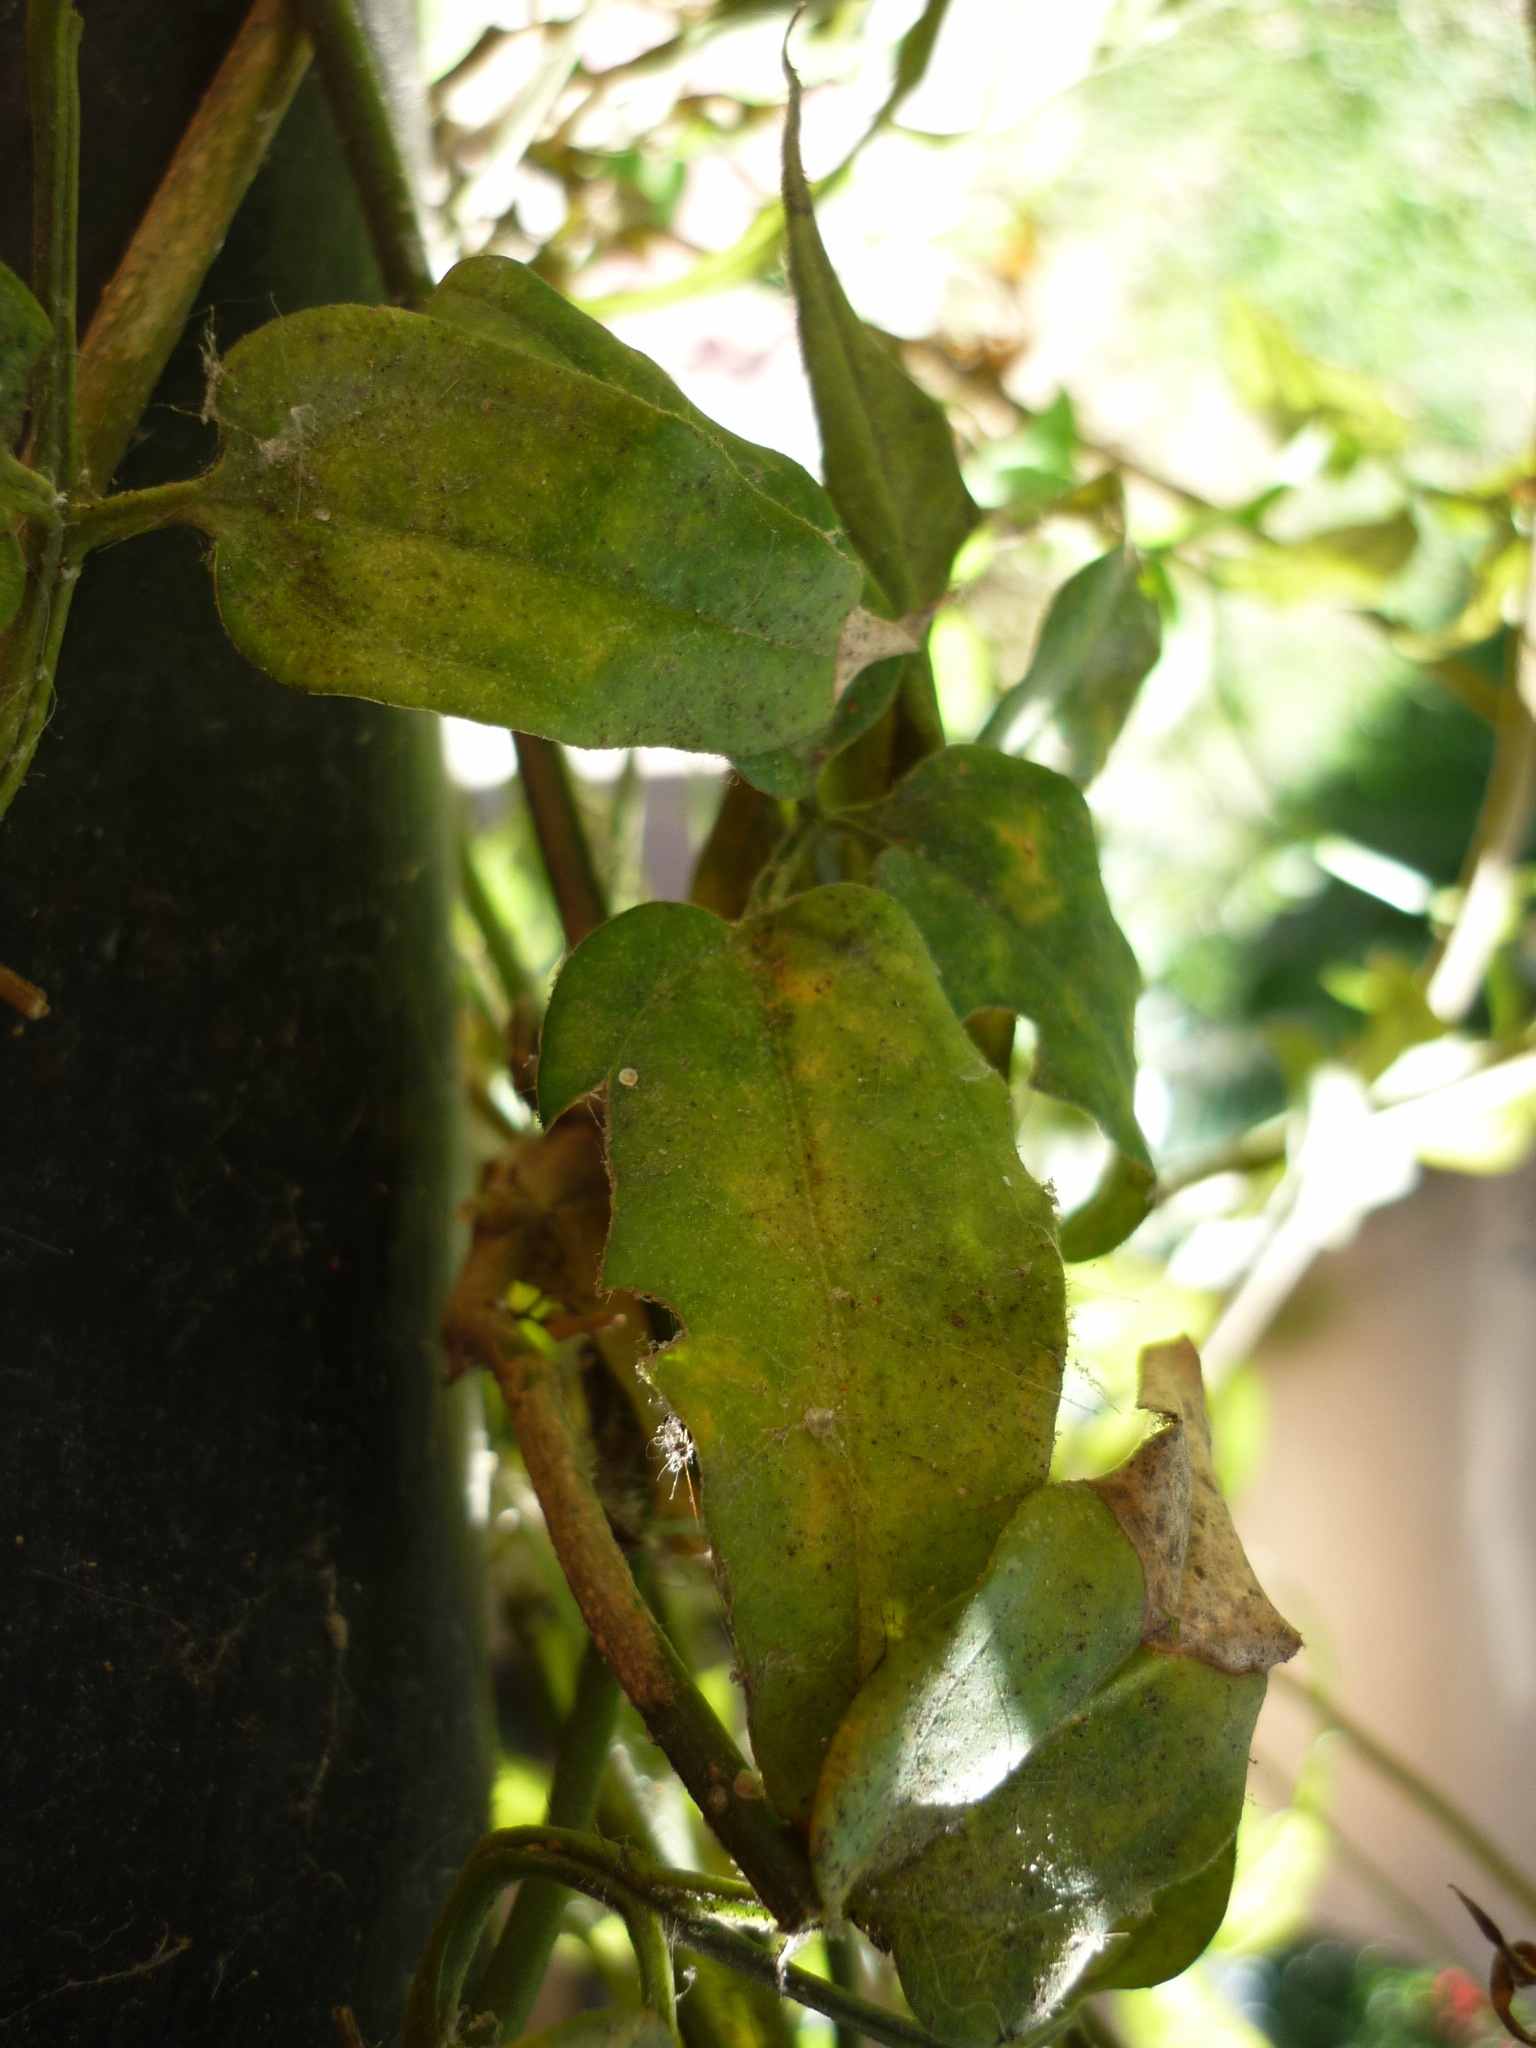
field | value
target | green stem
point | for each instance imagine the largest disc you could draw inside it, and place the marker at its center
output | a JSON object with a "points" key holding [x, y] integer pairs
{"points": [[146, 305], [512, 977], [1419, 1791], [105, 520], [355, 89], [704, 1915], [843, 1966], [642, 1659], [511, 1979], [53, 48], [568, 862], [638, 1890]]}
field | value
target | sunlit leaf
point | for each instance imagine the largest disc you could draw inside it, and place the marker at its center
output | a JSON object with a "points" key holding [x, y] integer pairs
{"points": [[997, 1925], [1345, 565], [1031, 1798], [888, 452], [510, 304], [956, 1709], [814, 1168], [24, 333], [995, 860], [1099, 642], [420, 512]]}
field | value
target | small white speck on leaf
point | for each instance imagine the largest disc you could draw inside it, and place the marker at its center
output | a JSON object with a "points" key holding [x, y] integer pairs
{"points": [[628, 1078]]}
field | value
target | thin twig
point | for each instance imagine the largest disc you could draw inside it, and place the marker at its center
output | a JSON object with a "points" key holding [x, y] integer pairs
{"points": [[567, 855], [701, 1914], [1418, 1790], [349, 70], [145, 307], [627, 1633]]}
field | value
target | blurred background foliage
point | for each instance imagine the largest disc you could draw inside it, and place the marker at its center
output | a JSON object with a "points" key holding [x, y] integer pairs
{"points": [[1249, 288]]}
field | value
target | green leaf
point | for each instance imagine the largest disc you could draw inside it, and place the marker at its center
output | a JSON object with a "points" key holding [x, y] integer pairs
{"points": [[509, 304], [1175, 1932], [794, 771], [1350, 565], [956, 1709], [1100, 639], [414, 511], [888, 452], [1031, 1798], [995, 860], [814, 1168], [25, 330], [997, 1925]]}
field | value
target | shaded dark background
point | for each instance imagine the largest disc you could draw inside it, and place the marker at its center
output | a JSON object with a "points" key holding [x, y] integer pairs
{"points": [[246, 1741]]}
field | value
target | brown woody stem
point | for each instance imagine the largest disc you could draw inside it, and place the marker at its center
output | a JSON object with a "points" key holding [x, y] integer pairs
{"points": [[145, 307], [627, 1634], [568, 862]]}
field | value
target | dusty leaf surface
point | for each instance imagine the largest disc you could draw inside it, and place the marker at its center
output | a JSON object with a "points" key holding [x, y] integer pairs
{"points": [[996, 862], [814, 1168], [428, 512], [998, 1924], [956, 1708], [1035, 1797]]}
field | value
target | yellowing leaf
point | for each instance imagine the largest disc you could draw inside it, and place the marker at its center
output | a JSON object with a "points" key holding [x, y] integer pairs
{"points": [[995, 860], [445, 513], [814, 1167]]}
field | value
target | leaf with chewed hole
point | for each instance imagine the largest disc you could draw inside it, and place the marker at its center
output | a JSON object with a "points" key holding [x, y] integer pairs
{"points": [[888, 453], [814, 1168], [434, 512], [996, 862], [1030, 1799]]}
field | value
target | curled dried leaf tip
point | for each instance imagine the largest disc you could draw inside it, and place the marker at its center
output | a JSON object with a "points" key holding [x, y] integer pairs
{"points": [[1203, 1599]]}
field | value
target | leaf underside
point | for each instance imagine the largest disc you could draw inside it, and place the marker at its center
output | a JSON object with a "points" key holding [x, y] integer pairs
{"points": [[814, 1168]]}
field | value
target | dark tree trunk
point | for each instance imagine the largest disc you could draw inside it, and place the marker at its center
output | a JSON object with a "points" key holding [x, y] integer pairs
{"points": [[245, 1727]]}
